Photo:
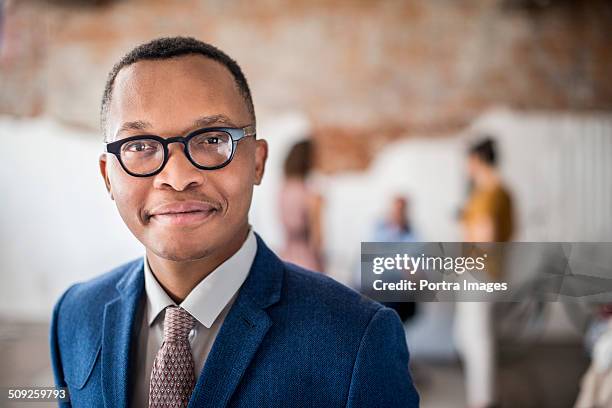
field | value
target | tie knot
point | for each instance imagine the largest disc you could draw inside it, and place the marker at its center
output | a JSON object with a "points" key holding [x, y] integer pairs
{"points": [[177, 324]]}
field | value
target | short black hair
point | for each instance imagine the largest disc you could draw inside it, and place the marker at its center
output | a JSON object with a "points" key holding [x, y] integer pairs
{"points": [[171, 47], [486, 150], [299, 161]]}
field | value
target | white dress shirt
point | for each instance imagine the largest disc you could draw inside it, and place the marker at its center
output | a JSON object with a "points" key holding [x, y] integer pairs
{"points": [[209, 302]]}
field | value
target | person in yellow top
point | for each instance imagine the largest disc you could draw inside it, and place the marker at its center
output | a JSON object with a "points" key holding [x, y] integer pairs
{"points": [[486, 217]]}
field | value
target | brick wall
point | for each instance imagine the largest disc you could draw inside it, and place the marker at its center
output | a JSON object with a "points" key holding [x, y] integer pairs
{"points": [[365, 72]]}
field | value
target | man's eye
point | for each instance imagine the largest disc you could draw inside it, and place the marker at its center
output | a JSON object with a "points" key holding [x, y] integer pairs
{"points": [[138, 147], [207, 141], [210, 140]]}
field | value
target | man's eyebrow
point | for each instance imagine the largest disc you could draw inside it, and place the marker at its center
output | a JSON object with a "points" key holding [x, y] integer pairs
{"points": [[135, 125], [203, 121], [213, 120]]}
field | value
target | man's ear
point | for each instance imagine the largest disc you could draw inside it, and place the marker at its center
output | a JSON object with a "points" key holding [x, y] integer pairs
{"points": [[261, 155], [104, 171]]}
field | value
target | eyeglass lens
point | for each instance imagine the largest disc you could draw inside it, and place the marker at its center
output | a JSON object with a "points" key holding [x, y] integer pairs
{"points": [[208, 149]]}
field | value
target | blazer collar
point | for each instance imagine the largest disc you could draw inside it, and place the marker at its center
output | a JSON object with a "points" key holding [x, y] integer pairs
{"points": [[263, 285], [133, 281], [242, 332], [118, 334]]}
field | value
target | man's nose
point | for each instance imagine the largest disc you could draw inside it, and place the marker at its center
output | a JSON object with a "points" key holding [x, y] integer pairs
{"points": [[179, 173]]}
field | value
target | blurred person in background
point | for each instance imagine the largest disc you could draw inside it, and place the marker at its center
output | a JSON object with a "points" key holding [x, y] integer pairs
{"points": [[486, 217], [300, 210], [488, 214], [396, 227], [596, 384]]}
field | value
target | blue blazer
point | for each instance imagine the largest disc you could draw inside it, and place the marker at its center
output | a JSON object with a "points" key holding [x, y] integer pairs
{"points": [[293, 338]]}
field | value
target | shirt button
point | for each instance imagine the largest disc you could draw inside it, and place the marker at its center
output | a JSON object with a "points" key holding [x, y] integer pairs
{"points": [[192, 334]]}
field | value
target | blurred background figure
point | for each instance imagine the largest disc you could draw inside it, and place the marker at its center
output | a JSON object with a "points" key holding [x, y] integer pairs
{"points": [[488, 214], [486, 217], [396, 226], [300, 210], [596, 384]]}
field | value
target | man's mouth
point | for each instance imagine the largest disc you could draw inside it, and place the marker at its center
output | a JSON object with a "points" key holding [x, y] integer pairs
{"points": [[183, 213]]}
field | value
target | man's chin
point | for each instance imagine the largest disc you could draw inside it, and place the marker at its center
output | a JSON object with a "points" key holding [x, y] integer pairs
{"points": [[181, 254]]}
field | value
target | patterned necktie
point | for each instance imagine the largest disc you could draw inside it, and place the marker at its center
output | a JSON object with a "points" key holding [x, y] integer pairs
{"points": [[173, 375]]}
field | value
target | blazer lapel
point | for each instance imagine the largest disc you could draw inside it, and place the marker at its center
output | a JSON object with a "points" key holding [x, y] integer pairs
{"points": [[119, 315], [242, 332]]}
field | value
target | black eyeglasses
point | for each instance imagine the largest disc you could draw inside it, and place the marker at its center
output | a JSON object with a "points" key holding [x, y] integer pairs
{"points": [[206, 148]]}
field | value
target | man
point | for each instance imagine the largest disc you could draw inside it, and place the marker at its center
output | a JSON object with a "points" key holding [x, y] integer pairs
{"points": [[396, 227], [210, 317]]}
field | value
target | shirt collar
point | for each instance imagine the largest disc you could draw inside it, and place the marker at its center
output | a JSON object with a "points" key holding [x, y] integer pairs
{"points": [[206, 301]]}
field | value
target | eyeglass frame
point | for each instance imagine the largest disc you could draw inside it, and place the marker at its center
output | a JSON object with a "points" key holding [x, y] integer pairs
{"points": [[236, 134]]}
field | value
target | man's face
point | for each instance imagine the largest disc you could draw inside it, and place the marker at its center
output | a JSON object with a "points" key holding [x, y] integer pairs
{"points": [[166, 98], [398, 211]]}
